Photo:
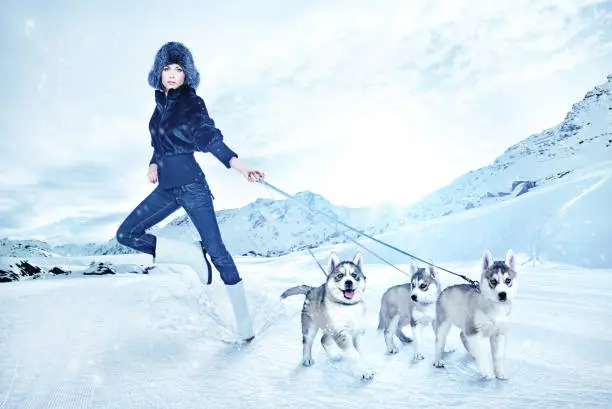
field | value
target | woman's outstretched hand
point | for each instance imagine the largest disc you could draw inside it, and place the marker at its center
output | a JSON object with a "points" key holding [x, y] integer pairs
{"points": [[251, 174], [152, 173]]}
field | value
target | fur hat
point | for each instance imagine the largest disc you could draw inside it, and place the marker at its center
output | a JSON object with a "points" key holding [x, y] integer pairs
{"points": [[174, 53]]}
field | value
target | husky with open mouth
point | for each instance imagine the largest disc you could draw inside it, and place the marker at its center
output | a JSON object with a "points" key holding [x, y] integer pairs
{"points": [[337, 308]]}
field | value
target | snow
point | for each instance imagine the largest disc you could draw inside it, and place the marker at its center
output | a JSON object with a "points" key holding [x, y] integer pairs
{"points": [[153, 341]]}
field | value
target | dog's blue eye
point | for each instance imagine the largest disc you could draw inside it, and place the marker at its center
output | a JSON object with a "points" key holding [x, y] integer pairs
{"points": [[508, 281], [423, 286], [493, 282], [339, 276], [355, 276]]}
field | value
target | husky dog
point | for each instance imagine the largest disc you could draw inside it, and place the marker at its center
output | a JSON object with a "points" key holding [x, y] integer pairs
{"points": [[337, 308], [412, 303], [481, 312]]}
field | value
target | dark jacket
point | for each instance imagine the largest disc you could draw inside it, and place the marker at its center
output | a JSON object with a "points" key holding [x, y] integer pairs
{"points": [[180, 126]]}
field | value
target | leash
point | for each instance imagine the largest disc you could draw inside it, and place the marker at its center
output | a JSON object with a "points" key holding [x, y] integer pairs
{"points": [[315, 259], [366, 249], [354, 241], [376, 255], [335, 220]]}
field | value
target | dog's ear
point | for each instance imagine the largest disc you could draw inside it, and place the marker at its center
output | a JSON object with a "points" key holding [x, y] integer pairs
{"points": [[358, 260], [487, 260], [510, 259], [413, 268], [332, 263], [433, 272]]}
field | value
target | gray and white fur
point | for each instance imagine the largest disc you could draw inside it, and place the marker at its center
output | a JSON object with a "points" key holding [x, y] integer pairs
{"points": [[412, 303], [174, 53], [481, 312], [337, 308]]}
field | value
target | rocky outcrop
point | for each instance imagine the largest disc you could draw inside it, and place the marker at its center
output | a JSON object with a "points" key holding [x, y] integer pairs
{"points": [[26, 270], [100, 268], [21, 270]]}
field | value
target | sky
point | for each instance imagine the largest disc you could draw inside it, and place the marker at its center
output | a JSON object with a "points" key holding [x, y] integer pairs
{"points": [[363, 102]]}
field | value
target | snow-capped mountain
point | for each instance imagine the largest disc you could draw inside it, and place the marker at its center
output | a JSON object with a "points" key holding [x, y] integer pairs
{"points": [[91, 249], [25, 248], [582, 139], [265, 227], [272, 227], [38, 248]]}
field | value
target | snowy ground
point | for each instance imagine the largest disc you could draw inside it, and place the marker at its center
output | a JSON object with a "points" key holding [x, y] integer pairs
{"points": [[148, 341]]}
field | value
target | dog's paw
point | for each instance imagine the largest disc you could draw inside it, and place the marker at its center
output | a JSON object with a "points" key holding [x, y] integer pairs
{"points": [[308, 362], [392, 351], [439, 364], [367, 376], [501, 377], [418, 357]]}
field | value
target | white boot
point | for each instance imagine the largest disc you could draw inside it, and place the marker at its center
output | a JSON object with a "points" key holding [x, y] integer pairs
{"points": [[244, 324], [183, 252]]}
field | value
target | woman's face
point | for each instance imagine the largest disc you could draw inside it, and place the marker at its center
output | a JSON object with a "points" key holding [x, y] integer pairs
{"points": [[173, 76]]}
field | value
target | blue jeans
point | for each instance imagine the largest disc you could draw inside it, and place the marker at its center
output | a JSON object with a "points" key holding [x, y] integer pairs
{"points": [[197, 201]]}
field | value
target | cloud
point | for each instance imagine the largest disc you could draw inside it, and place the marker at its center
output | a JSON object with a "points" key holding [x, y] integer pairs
{"points": [[356, 62], [29, 27], [78, 190], [93, 229], [360, 102]]}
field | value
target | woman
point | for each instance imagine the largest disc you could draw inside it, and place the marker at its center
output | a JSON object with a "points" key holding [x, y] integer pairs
{"points": [[180, 126]]}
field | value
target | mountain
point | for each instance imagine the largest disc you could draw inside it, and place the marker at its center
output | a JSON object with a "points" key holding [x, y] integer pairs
{"points": [[273, 227], [583, 138], [265, 227], [25, 248], [38, 248], [92, 249]]}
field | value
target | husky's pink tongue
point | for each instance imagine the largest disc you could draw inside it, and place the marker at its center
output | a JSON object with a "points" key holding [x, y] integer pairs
{"points": [[349, 293]]}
